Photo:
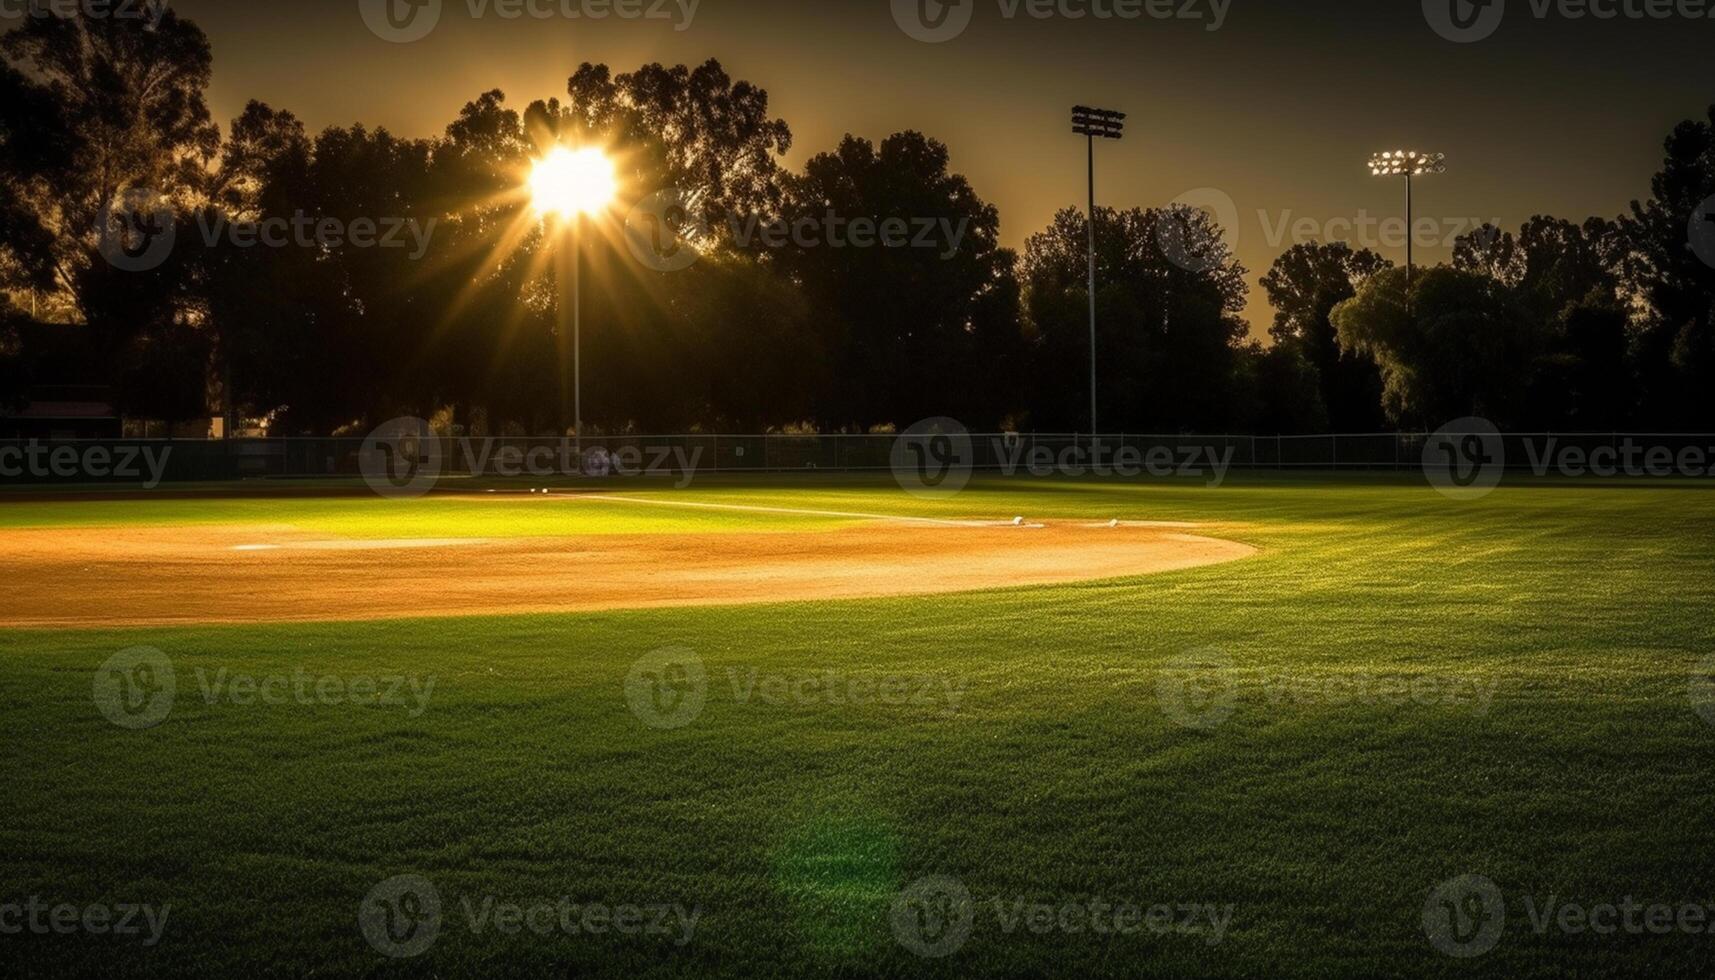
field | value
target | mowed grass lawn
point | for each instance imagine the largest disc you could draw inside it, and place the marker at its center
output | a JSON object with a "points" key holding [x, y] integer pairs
{"points": [[1398, 691]]}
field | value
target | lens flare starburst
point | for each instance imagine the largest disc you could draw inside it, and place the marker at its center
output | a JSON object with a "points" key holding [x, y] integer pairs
{"points": [[566, 183]]}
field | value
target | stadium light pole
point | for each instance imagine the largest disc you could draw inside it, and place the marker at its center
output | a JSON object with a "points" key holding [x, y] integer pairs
{"points": [[1094, 124], [1407, 164], [566, 185]]}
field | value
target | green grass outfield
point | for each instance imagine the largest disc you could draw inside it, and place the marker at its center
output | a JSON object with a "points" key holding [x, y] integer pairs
{"points": [[1399, 690]]}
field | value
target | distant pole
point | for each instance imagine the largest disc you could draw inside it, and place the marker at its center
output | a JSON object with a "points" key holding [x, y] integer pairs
{"points": [[568, 263], [1407, 164], [577, 330], [1091, 124], [1408, 234], [565, 317], [1090, 141]]}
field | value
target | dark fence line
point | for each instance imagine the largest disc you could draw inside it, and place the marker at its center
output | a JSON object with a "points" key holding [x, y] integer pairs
{"points": [[154, 461]]}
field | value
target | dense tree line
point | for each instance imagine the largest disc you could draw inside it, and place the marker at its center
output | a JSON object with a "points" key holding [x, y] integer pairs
{"points": [[867, 290]]}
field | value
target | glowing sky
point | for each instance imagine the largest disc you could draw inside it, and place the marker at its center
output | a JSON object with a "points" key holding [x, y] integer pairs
{"points": [[1279, 108]]}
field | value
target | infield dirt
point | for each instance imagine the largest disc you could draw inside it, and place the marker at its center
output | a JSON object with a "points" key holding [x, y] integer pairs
{"points": [[93, 577]]}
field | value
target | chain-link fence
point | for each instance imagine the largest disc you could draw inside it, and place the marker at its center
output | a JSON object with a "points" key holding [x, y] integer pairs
{"points": [[154, 462]]}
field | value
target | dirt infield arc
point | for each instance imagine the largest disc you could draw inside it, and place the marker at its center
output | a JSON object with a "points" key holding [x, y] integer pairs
{"points": [[161, 576]]}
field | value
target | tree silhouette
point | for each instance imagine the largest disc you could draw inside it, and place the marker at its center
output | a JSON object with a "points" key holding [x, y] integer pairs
{"points": [[1456, 346], [1168, 298], [1675, 283], [694, 132], [1279, 392], [103, 126], [1563, 277], [1304, 286], [99, 115], [917, 323]]}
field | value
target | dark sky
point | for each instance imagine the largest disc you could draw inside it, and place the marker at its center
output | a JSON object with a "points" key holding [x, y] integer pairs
{"points": [[1278, 109]]}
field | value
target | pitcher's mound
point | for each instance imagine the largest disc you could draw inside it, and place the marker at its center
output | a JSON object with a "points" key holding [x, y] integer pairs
{"points": [[126, 577]]}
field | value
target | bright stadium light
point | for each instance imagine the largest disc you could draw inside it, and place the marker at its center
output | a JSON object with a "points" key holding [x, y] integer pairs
{"points": [[567, 183], [1407, 164], [1094, 124]]}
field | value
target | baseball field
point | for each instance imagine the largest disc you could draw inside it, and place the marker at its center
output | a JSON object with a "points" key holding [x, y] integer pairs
{"points": [[1299, 725]]}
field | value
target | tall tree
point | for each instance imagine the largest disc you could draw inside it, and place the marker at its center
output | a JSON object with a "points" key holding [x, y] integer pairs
{"points": [[104, 134], [915, 298], [348, 331], [1564, 278], [1457, 345], [695, 132], [267, 355], [92, 108], [1675, 281], [1304, 286], [1551, 264], [1168, 301]]}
